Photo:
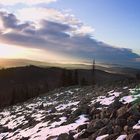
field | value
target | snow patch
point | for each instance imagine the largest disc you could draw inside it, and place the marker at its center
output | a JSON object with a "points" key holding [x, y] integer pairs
{"points": [[127, 99], [64, 106], [102, 137], [137, 126], [121, 137]]}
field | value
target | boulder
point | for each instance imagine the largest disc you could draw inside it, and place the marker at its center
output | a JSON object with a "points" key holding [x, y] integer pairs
{"points": [[4, 129], [84, 135], [127, 128], [135, 136], [116, 104], [94, 111], [117, 129], [123, 112], [53, 110], [93, 136], [131, 121], [97, 105], [133, 110], [65, 136], [113, 114], [95, 125], [84, 101], [25, 138], [120, 122], [105, 130], [81, 127]]}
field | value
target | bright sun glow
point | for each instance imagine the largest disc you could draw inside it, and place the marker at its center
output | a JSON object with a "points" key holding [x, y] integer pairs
{"points": [[7, 51], [18, 52]]}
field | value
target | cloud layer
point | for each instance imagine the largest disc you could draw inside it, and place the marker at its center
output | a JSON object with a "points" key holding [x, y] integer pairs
{"points": [[27, 2], [64, 35]]}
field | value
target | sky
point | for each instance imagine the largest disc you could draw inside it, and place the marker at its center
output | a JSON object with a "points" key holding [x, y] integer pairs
{"points": [[71, 31]]}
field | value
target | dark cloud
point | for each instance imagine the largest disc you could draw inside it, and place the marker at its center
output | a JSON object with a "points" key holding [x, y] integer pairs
{"points": [[59, 37], [10, 21]]}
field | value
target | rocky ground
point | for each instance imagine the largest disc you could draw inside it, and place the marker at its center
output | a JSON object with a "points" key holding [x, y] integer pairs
{"points": [[80, 113]]}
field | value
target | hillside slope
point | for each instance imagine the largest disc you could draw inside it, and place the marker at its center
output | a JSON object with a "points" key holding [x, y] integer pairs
{"points": [[21, 83], [81, 113]]}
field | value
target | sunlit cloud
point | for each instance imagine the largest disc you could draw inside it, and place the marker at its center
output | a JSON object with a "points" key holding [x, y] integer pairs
{"points": [[35, 14], [58, 37], [84, 30], [27, 2]]}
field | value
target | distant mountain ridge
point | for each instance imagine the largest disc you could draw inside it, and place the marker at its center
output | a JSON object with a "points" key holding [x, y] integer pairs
{"points": [[111, 68], [7, 63]]}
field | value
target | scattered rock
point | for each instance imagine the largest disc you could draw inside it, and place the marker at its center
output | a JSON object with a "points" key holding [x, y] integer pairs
{"points": [[25, 138], [95, 125], [120, 122], [122, 112], [131, 121], [53, 110], [116, 104], [65, 136], [127, 128], [135, 136], [4, 129], [81, 127], [94, 111], [105, 130], [117, 129], [112, 137]]}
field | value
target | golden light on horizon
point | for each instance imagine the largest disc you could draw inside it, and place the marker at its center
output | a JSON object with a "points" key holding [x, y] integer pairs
{"points": [[8, 51], [18, 52]]}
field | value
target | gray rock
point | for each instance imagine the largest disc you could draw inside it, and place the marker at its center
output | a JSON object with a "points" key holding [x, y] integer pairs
{"points": [[135, 136], [117, 129], [120, 122], [65, 136]]}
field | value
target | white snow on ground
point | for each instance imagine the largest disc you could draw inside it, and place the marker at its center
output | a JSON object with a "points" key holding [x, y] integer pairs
{"points": [[110, 91], [121, 137], [13, 123], [125, 87], [42, 131], [134, 89], [132, 97], [5, 113], [110, 98], [2, 135], [48, 131], [127, 99], [137, 126], [50, 103], [64, 106], [107, 100], [76, 135], [37, 116], [45, 129], [62, 120], [38, 109], [102, 137], [116, 94]]}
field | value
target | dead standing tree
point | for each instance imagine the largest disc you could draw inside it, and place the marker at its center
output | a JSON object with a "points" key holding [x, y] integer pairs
{"points": [[93, 72]]}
